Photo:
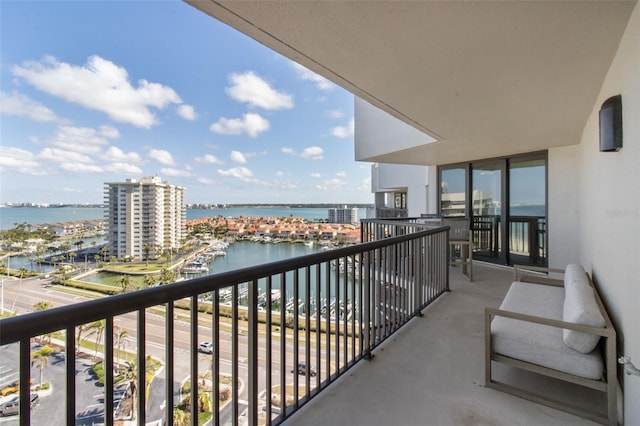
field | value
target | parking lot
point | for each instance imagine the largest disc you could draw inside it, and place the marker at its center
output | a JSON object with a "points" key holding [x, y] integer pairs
{"points": [[50, 408]]}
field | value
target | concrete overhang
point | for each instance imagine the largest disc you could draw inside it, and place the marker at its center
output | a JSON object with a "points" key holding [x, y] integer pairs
{"points": [[483, 78]]}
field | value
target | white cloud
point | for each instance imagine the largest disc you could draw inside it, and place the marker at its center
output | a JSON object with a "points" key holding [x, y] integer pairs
{"points": [[56, 155], [81, 168], [251, 89], [313, 153], [335, 113], [20, 161], [187, 112], [22, 106], [344, 131], [116, 155], [289, 151], [100, 85], [306, 74], [251, 124], [109, 132], [123, 169], [81, 139], [161, 156], [316, 175], [208, 159], [168, 171], [279, 173], [341, 174], [206, 181], [331, 185], [238, 157], [241, 173]]}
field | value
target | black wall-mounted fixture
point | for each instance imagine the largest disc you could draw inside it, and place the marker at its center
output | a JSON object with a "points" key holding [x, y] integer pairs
{"points": [[611, 124]]}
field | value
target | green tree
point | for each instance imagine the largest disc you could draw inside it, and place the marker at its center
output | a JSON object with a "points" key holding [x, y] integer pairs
{"points": [[147, 248], [81, 330], [181, 417], [149, 280], [104, 251], [126, 283], [167, 276], [131, 375], [121, 341], [40, 358], [42, 306], [79, 244], [97, 328]]}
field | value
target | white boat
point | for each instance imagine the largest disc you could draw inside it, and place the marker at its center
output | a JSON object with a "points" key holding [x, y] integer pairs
{"points": [[308, 243]]}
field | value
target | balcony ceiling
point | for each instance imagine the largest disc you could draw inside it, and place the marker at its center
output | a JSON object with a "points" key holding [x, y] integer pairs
{"points": [[484, 78]]}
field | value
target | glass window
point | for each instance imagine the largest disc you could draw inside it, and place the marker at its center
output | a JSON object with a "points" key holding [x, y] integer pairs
{"points": [[453, 194]]}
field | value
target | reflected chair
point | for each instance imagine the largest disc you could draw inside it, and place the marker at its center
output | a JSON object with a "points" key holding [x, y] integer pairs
{"points": [[460, 244]]}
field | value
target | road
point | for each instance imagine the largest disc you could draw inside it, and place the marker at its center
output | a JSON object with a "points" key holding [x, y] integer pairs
{"points": [[24, 294]]}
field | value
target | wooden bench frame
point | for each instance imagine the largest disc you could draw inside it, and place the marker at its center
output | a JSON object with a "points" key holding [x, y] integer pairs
{"points": [[607, 385]]}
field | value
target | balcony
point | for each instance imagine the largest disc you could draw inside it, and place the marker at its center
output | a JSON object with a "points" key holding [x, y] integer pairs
{"points": [[401, 367]]}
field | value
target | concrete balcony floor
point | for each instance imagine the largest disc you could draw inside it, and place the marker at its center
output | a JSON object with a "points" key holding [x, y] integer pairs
{"points": [[431, 372]]}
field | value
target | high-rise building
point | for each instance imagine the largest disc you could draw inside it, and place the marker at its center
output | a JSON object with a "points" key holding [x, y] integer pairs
{"points": [[345, 215], [145, 217]]}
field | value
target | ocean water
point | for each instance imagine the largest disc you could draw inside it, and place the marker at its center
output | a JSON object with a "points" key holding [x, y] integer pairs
{"points": [[9, 217]]}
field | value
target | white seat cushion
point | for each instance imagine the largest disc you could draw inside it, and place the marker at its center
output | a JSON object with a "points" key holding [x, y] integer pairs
{"points": [[536, 343]]}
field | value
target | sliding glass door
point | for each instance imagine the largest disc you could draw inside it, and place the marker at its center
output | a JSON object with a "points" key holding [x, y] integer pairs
{"points": [[505, 198], [486, 210], [527, 211]]}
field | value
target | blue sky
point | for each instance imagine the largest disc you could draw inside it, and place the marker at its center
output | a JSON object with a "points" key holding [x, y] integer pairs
{"points": [[95, 92]]}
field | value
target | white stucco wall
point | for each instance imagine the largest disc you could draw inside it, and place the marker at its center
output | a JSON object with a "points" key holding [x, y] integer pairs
{"points": [[563, 221], [609, 206], [388, 178], [379, 130]]}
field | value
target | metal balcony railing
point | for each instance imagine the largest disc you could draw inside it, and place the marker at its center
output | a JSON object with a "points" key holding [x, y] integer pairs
{"points": [[314, 315]]}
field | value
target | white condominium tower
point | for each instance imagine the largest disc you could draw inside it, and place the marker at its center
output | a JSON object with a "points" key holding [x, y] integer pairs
{"points": [[345, 215], [145, 217]]}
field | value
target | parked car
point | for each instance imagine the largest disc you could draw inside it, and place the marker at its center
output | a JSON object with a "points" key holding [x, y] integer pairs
{"points": [[12, 407], [206, 347], [11, 388], [302, 369]]}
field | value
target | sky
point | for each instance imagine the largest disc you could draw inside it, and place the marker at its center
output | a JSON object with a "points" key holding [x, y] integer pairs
{"points": [[94, 92]]}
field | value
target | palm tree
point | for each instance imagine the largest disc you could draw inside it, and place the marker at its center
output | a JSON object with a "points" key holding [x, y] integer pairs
{"points": [[147, 249], [98, 329], [121, 341], [181, 417], [79, 245], [41, 358], [81, 329], [149, 280], [131, 375], [167, 276], [104, 251], [43, 306], [125, 283]]}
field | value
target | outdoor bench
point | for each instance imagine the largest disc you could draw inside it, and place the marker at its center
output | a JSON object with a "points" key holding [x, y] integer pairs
{"points": [[557, 328]]}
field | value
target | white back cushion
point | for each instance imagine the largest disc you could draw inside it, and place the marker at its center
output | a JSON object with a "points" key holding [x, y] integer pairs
{"points": [[580, 307]]}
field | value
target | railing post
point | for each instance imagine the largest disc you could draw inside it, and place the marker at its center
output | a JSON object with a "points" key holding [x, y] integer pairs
{"points": [[252, 307]]}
